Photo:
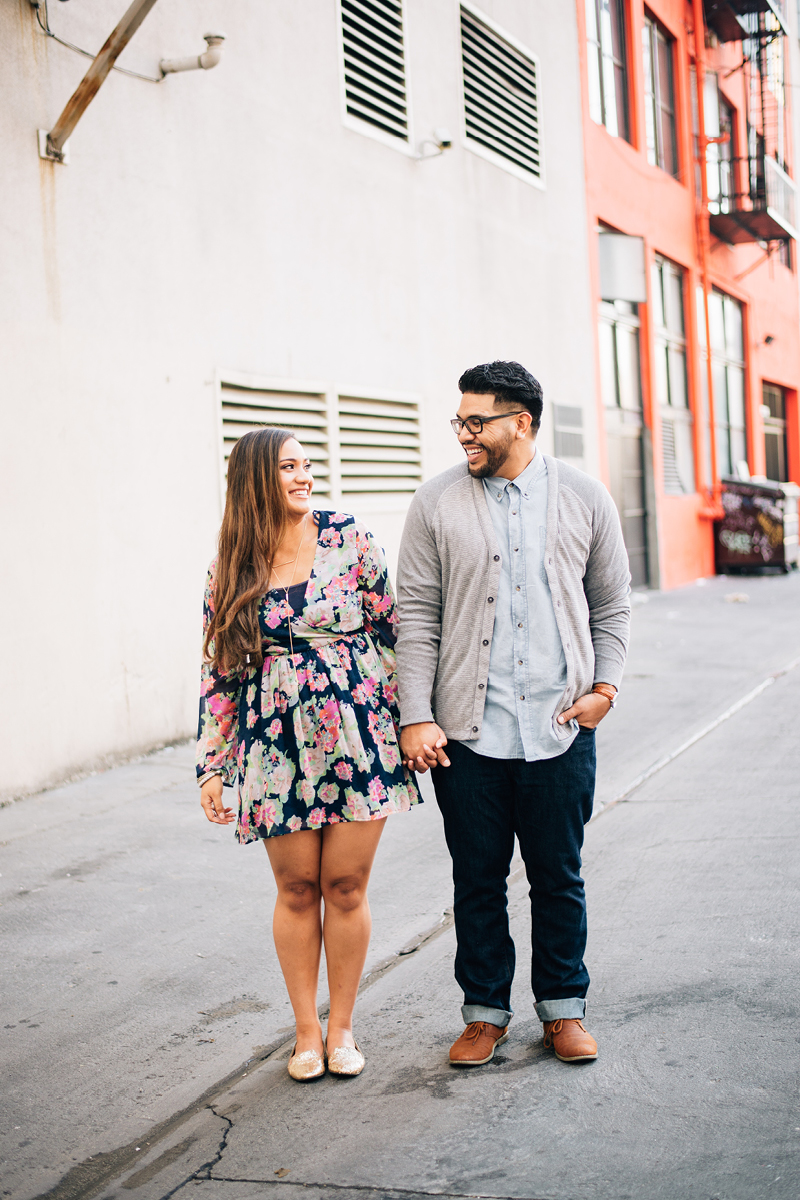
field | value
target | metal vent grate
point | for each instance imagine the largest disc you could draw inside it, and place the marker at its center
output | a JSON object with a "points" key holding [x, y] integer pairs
{"points": [[501, 96], [672, 480], [305, 413], [567, 429], [379, 446], [374, 64]]}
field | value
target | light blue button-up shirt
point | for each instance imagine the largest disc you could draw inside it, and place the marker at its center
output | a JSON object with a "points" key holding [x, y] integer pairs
{"points": [[527, 668]]}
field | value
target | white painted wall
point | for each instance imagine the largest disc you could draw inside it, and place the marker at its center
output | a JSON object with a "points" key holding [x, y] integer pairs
{"points": [[230, 220]]}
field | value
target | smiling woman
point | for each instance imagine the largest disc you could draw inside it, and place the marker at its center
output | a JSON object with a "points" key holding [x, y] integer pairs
{"points": [[298, 707]]}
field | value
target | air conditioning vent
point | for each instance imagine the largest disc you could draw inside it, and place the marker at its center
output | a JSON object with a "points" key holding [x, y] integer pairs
{"points": [[672, 480], [567, 431], [305, 413], [379, 446], [374, 64], [501, 96]]}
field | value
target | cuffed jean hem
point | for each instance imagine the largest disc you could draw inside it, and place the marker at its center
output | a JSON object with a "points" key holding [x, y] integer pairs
{"points": [[494, 1016], [557, 1010]]}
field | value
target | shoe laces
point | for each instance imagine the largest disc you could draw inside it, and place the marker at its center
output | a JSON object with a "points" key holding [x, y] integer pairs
{"points": [[555, 1028], [474, 1030]]}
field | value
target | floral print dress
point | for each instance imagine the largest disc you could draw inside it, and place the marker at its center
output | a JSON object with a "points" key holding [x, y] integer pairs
{"points": [[311, 737]]}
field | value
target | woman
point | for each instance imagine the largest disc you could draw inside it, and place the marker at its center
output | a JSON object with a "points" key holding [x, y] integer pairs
{"points": [[298, 704]]}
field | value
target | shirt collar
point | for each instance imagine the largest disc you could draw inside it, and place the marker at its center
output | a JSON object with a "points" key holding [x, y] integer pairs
{"points": [[524, 481]]}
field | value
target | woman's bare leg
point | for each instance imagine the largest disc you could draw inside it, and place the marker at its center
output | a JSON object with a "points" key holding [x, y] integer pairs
{"points": [[348, 851], [297, 926]]}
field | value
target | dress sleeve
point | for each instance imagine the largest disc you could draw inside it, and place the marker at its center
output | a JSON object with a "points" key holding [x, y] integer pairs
{"points": [[377, 597], [217, 732]]}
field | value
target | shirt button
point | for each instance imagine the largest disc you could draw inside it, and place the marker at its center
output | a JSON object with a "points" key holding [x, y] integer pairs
{"points": [[513, 512], [519, 662], [519, 625], [486, 641], [522, 697], [516, 549], [491, 600], [474, 728], [518, 588], [480, 687], [497, 558]]}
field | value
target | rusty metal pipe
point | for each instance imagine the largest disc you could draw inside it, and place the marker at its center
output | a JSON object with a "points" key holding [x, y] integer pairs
{"points": [[89, 86]]}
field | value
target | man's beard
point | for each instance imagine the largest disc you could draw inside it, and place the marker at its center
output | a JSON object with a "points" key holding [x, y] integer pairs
{"points": [[496, 456]]}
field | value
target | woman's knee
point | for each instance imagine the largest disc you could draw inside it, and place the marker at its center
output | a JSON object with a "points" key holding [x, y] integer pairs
{"points": [[299, 895], [345, 892]]}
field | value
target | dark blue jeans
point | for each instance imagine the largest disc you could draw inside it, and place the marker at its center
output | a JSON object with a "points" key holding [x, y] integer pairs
{"points": [[484, 803]]}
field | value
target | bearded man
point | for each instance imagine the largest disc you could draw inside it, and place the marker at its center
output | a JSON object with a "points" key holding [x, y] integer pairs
{"points": [[513, 593]]}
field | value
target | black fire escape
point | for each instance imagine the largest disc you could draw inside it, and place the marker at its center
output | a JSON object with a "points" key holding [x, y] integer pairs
{"points": [[755, 200]]}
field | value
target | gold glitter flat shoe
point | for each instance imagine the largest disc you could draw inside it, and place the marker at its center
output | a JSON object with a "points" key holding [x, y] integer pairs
{"points": [[306, 1066], [345, 1060]]}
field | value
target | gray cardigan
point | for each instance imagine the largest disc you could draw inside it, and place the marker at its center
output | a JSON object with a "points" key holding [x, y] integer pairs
{"points": [[447, 580]]}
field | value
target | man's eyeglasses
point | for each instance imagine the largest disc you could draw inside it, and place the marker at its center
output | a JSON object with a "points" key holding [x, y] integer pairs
{"points": [[476, 424]]}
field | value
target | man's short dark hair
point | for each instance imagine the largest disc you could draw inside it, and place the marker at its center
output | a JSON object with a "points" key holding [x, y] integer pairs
{"points": [[509, 383]]}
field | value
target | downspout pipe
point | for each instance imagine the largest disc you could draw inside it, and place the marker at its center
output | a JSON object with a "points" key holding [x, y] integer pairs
{"points": [[713, 510], [204, 62]]}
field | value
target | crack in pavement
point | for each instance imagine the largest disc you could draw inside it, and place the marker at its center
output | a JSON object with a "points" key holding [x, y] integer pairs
{"points": [[367, 1189], [208, 1167]]}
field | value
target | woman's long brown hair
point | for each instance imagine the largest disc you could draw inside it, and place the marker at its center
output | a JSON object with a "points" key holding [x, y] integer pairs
{"points": [[252, 525]]}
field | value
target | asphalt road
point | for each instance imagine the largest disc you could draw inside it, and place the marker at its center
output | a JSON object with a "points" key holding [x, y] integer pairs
{"points": [[145, 1025]]}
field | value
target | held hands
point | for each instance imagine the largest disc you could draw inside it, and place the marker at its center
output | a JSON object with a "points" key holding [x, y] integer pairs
{"points": [[588, 710], [422, 746], [211, 801]]}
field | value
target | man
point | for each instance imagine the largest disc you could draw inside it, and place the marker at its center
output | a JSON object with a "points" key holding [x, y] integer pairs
{"points": [[513, 589]]}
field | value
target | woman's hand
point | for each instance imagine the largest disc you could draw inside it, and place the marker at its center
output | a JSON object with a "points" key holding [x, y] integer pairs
{"points": [[422, 747], [211, 801]]}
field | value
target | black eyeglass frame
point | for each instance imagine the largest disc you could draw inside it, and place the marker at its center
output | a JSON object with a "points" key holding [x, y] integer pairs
{"points": [[457, 424]]}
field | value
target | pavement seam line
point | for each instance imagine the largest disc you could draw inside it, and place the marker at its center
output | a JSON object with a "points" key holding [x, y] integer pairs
{"points": [[659, 765]]}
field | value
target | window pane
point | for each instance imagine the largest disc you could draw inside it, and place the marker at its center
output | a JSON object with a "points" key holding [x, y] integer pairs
{"points": [[630, 395], [595, 90], [608, 365], [684, 454], [724, 461], [666, 104], [656, 293], [673, 287], [738, 446], [591, 20], [649, 92], [733, 329], [609, 96], [661, 373], [677, 377], [716, 321], [736, 396], [719, 376]]}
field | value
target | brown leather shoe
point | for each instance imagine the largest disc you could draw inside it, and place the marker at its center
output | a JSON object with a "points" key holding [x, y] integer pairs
{"points": [[477, 1044], [570, 1040]]}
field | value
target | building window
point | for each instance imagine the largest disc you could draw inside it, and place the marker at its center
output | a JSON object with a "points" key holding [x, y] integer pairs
{"points": [[659, 95], [608, 73], [619, 355], [774, 413], [373, 46], [719, 155], [501, 97], [364, 447], [727, 373], [669, 328]]}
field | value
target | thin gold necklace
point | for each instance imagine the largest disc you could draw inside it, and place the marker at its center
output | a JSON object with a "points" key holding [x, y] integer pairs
{"points": [[285, 589]]}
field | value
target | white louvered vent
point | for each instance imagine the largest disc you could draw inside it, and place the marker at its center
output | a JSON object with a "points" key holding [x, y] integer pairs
{"points": [[379, 446], [305, 413], [567, 430], [374, 64], [501, 96]]}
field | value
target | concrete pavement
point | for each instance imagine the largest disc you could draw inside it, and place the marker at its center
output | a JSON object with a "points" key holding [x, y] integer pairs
{"points": [[692, 888]]}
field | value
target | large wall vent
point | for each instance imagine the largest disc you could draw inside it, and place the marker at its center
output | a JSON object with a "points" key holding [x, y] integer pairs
{"points": [[568, 431], [379, 446], [305, 413], [374, 64], [501, 96]]}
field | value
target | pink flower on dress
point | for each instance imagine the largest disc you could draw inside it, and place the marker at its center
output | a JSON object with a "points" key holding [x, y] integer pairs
{"points": [[293, 824], [251, 718], [375, 790], [275, 728], [306, 791], [316, 817], [329, 792], [343, 770], [266, 814]]}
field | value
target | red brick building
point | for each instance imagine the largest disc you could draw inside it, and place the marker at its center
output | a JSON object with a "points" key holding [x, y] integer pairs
{"points": [[683, 255]]}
